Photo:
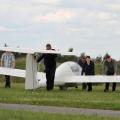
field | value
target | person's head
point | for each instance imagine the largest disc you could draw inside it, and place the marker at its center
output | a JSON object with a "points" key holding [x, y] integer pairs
{"points": [[88, 59], [108, 58], [48, 46], [7, 52], [83, 59]]}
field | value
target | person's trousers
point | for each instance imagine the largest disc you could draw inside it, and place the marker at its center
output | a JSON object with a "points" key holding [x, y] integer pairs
{"points": [[7, 81], [84, 86], [89, 86], [50, 75], [113, 84]]}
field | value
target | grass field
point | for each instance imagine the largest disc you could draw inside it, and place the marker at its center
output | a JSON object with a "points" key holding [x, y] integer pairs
{"points": [[70, 98], [25, 115]]}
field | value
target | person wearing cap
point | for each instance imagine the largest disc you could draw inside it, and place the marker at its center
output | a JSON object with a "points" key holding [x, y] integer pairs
{"points": [[81, 62], [89, 70], [109, 68], [8, 61], [50, 67]]}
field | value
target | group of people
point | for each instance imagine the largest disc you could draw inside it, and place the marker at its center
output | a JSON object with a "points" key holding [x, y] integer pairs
{"points": [[87, 65], [85, 62], [109, 68]]}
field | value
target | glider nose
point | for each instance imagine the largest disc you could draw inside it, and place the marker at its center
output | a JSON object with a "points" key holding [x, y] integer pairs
{"points": [[66, 70]]}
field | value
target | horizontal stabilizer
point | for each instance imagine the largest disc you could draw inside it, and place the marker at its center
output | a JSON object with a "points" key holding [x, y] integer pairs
{"points": [[12, 72], [18, 73]]}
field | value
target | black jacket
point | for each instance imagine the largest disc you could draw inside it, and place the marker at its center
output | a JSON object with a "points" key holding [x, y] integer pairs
{"points": [[49, 59], [89, 69], [82, 65]]}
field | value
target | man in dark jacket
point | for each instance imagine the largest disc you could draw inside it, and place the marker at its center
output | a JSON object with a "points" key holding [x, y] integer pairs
{"points": [[89, 70], [82, 62], [109, 68], [50, 67]]}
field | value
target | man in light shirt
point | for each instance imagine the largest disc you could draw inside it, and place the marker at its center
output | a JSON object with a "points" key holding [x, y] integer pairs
{"points": [[8, 61]]}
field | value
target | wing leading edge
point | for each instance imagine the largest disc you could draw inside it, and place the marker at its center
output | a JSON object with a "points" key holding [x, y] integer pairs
{"points": [[33, 51], [92, 79]]}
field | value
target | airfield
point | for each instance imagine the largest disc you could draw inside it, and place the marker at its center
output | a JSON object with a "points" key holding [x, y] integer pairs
{"points": [[70, 99]]}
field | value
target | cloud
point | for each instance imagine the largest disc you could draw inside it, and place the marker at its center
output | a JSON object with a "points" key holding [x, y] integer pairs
{"points": [[5, 29], [79, 22], [16, 2], [23, 12], [117, 33], [94, 14], [47, 2], [59, 16], [114, 7], [77, 29], [26, 7], [103, 15]]}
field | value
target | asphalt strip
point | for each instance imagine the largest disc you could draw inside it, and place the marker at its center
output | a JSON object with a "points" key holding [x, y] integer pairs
{"points": [[60, 110]]}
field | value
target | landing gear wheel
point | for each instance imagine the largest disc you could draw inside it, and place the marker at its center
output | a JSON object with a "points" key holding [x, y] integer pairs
{"points": [[63, 87]]}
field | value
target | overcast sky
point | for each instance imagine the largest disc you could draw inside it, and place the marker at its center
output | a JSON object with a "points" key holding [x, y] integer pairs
{"points": [[90, 26]]}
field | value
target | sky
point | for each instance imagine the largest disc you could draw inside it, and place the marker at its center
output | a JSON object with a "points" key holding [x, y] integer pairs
{"points": [[90, 26]]}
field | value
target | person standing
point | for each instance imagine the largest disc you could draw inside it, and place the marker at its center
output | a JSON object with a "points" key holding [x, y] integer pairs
{"points": [[8, 61], [109, 68], [82, 62], [50, 67], [89, 70]]}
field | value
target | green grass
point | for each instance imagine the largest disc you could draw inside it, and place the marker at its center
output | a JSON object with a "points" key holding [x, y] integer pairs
{"points": [[26, 115], [69, 98], [21, 63]]}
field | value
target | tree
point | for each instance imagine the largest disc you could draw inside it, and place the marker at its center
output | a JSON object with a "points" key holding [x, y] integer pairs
{"points": [[104, 57], [62, 59], [70, 50], [98, 59]]}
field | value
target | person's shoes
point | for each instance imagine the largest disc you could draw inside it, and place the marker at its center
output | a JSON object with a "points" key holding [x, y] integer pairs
{"points": [[7, 87], [89, 90], [76, 86], [49, 89], [113, 90], [84, 89], [105, 90]]}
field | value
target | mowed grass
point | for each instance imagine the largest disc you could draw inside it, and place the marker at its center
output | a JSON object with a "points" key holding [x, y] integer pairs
{"points": [[26, 115], [70, 98]]}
